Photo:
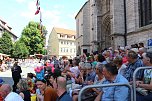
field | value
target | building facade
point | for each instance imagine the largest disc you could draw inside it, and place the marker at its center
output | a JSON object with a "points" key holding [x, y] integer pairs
{"points": [[86, 28], [62, 43], [121, 22], [5, 28]]}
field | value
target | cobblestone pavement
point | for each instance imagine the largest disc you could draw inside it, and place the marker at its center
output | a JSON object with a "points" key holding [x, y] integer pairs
{"points": [[7, 75]]}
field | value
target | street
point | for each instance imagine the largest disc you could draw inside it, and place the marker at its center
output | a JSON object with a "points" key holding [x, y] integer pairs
{"points": [[7, 75]]}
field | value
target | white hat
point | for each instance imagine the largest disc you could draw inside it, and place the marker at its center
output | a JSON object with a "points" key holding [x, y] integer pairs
{"points": [[135, 50]]}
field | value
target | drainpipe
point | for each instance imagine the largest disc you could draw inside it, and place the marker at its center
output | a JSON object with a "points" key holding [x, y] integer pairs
{"points": [[125, 24]]}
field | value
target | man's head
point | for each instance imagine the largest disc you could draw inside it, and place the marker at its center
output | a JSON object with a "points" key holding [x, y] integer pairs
{"points": [[109, 71], [5, 89], [147, 58], [141, 51], [99, 68], [132, 56], [88, 67], [61, 82], [118, 61]]}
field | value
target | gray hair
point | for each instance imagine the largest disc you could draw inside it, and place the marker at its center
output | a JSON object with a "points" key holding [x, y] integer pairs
{"points": [[88, 65], [100, 66]]}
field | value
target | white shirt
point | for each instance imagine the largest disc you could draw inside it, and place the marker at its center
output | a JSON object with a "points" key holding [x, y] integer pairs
{"points": [[75, 71], [13, 97]]}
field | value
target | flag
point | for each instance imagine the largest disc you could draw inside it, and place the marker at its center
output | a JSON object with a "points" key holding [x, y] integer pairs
{"points": [[37, 3], [38, 7], [38, 10]]}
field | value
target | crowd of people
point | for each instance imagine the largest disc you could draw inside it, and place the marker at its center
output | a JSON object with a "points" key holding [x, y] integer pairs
{"points": [[62, 79]]}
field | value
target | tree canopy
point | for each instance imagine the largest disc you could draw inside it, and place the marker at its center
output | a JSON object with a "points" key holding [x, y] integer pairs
{"points": [[33, 38], [6, 44], [20, 50]]}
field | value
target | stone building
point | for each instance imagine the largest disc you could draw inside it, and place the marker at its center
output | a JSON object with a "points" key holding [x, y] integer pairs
{"points": [[5, 27], [121, 22], [61, 43], [124, 22], [86, 28]]}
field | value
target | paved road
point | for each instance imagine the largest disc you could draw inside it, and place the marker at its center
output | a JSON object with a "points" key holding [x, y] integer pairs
{"points": [[7, 75]]}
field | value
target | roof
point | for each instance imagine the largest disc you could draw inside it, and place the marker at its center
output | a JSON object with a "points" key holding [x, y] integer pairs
{"points": [[5, 26], [81, 9], [64, 31]]}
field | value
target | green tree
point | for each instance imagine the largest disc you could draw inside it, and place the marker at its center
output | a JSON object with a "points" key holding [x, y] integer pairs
{"points": [[6, 44], [33, 38], [20, 50]]}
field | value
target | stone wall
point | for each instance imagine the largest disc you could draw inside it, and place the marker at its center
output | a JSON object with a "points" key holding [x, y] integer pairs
{"points": [[132, 15], [141, 35], [117, 16]]}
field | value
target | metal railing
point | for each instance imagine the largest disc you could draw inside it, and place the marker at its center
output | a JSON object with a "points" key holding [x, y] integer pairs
{"points": [[105, 85], [134, 80]]}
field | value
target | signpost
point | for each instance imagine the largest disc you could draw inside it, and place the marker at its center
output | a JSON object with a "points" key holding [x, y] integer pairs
{"points": [[149, 43]]}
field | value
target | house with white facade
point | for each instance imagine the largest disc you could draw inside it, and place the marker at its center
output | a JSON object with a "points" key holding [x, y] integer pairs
{"points": [[61, 43]]}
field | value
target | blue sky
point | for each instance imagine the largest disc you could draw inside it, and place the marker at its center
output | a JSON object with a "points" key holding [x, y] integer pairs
{"points": [[55, 13]]}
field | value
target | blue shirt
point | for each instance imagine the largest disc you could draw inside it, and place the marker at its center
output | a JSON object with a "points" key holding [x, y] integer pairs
{"points": [[128, 74], [64, 97], [115, 93], [91, 76]]}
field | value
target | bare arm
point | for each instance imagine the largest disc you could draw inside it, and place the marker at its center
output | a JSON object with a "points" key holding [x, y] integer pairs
{"points": [[98, 98]]}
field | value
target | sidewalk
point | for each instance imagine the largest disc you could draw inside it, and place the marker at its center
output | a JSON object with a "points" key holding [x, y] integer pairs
{"points": [[7, 75]]}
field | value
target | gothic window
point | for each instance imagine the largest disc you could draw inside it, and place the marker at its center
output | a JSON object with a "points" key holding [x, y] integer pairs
{"points": [[145, 12]]}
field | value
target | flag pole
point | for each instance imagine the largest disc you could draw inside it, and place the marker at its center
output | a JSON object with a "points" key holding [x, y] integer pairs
{"points": [[40, 20], [37, 12]]}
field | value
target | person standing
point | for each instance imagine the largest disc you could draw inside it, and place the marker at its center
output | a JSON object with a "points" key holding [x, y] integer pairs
{"points": [[16, 75]]}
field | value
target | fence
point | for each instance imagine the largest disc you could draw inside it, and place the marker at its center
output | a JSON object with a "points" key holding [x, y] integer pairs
{"points": [[134, 80], [105, 85]]}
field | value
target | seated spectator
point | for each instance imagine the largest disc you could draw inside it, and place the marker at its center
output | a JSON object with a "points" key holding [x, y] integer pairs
{"points": [[120, 66], [99, 76], [49, 93], [145, 93], [82, 75], [52, 77], [74, 71], [90, 74], [116, 53], [141, 51], [134, 63], [113, 93], [24, 90], [8, 95], [61, 90]]}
